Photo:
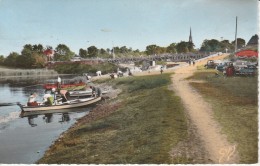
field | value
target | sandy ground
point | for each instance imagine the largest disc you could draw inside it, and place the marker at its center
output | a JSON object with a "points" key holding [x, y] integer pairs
{"points": [[207, 143]]}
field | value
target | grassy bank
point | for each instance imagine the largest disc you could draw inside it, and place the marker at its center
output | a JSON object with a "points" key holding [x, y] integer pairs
{"points": [[234, 101], [147, 122]]}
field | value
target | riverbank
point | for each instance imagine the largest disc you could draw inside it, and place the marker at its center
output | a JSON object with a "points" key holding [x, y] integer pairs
{"points": [[121, 137], [9, 73], [135, 131]]}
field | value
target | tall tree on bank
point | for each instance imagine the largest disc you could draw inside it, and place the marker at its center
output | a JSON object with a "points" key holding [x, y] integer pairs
{"points": [[2, 59], [31, 57], [11, 59], [63, 53], [92, 51], [83, 53]]}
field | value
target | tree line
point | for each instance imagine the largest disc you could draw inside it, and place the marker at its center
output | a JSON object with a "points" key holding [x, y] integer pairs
{"points": [[33, 56]]}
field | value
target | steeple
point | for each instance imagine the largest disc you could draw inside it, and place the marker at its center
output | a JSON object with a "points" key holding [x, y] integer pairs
{"points": [[190, 37]]}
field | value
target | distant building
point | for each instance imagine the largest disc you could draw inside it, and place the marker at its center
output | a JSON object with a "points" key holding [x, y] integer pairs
{"points": [[253, 41], [190, 37]]}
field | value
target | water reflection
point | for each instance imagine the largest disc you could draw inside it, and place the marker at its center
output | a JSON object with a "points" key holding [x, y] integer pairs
{"points": [[47, 118], [31, 120], [64, 116]]}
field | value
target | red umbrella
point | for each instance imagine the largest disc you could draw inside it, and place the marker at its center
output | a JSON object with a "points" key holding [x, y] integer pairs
{"points": [[247, 53]]}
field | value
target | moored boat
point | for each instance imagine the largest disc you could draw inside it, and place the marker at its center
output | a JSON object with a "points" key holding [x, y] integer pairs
{"points": [[65, 105], [62, 86], [64, 83], [82, 93]]}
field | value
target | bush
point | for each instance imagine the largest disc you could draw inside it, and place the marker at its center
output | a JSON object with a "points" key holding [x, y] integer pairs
{"points": [[85, 68]]}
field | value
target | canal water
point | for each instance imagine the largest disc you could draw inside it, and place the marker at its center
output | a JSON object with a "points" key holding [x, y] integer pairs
{"points": [[23, 140]]}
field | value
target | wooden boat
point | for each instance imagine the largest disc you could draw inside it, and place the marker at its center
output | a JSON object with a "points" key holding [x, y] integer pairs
{"points": [[60, 111], [49, 86], [82, 93], [66, 105], [65, 83]]}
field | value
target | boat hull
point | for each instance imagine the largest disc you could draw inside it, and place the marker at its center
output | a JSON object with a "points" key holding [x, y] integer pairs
{"points": [[63, 86], [83, 93], [73, 104]]}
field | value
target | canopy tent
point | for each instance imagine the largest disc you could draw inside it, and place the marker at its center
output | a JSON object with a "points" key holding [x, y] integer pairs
{"points": [[247, 53]]}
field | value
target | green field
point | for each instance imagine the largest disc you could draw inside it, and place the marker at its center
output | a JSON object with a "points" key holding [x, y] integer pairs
{"points": [[235, 106]]}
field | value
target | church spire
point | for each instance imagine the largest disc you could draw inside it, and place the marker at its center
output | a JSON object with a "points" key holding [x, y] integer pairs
{"points": [[190, 37]]}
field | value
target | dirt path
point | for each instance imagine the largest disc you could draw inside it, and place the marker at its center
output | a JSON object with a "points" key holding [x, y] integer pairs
{"points": [[217, 147], [206, 143]]}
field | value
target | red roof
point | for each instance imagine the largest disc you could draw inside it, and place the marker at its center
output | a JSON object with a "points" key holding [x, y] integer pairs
{"points": [[247, 53], [48, 52]]}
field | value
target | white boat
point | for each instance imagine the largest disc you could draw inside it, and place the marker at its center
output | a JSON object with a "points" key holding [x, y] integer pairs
{"points": [[83, 93], [65, 105]]}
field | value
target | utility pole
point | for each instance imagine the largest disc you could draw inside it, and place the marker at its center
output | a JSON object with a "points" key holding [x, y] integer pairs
{"points": [[236, 36]]}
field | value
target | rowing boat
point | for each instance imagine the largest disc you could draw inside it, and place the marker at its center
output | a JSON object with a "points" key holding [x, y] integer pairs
{"points": [[84, 93], [65, 105]]}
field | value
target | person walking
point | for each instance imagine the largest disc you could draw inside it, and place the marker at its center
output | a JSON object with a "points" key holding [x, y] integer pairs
{"points": [[161, 69], [58, 82], [193, 61]]}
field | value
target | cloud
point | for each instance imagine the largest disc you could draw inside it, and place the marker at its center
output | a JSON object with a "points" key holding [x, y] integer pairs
{"points": [[106, 30]]}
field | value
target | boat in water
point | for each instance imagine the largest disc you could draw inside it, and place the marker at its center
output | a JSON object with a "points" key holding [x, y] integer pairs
{"points": [[74, 83], [84, 93], [75, 103]]}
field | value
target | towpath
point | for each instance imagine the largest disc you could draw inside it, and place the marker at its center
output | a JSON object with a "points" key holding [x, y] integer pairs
{"points": [[215, 143], [200, 114]]}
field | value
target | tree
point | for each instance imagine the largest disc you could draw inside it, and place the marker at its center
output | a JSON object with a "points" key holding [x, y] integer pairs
{"points": [[226, 46], [2, 59], [116, 50], [136, 51], [190, 46], [151, 49], [123, 50], [63, 53], [38, 48], [103, 51], [31, 57], [92, 51], [212, 45], [160, 50], [182, 47], [240, 43], [83, 53], [172, 48], [108, 50], [11, 59]]}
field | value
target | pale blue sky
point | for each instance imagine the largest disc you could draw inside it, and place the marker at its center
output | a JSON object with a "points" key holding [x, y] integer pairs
{"points": [[131, 23]]}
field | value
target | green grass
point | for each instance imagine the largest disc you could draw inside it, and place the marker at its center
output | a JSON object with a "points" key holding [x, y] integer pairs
{"points": [[234, 101], [143, 130]]}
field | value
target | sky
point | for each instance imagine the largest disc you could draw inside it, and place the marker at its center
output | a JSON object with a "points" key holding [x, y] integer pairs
{"points": [[131, 23]]}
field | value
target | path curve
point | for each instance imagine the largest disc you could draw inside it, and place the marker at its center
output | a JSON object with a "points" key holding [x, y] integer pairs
{"points": [[201, 115]]}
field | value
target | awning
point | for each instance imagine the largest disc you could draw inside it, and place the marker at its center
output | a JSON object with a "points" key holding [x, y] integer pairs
{"points": [[247, 53]]}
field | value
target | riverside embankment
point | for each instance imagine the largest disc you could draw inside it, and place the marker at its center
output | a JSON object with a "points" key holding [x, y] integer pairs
{"points": [[8, 73]]}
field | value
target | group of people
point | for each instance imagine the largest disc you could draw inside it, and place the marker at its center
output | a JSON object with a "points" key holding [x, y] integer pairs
{"points": [[192, 61], [50, 97]]}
